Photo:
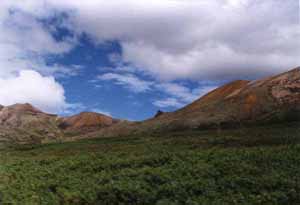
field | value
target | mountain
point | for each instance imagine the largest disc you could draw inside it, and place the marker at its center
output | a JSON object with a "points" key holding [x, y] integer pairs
{"points": [[19, 115], [23, 124], [86, 121], [276, 98], [236, 104]]}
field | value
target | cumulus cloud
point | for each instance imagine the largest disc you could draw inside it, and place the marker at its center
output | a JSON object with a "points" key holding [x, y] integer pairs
{"points": [[173, 39], [169, 40], [31, 87], [208, 39], [25, 42]]}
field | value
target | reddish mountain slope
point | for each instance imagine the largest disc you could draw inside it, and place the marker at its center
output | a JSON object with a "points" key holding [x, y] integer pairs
{"points": [[25, 124], [86, 120], [275, 98]]}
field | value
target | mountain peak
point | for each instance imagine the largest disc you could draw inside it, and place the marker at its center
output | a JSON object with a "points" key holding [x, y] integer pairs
{"points": [[26, 107], [86, 120], [23, 115]]}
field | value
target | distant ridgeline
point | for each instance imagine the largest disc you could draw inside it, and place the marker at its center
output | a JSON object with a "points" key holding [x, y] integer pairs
{"points": [[239, 103]]}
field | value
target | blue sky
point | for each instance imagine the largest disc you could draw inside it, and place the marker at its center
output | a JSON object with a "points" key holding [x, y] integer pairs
{"points": [[131, 58], [103, 96], [123, 94]]}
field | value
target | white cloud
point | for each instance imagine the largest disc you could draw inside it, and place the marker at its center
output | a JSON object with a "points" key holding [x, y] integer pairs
{"points": [[170, 39], [178, 94], [24, 45], [208, 39], [184, 93], [31, 87], [24, 42], [130, 81], [168, 102]]}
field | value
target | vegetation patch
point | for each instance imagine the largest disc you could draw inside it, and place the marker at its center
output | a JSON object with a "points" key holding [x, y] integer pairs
{"points": [[258, 165]]}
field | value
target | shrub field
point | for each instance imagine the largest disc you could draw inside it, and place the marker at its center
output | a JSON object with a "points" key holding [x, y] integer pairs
{"points": [[259, 165]]}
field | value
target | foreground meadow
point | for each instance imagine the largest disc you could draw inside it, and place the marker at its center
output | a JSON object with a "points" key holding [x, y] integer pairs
{"points": [[258, 165]]}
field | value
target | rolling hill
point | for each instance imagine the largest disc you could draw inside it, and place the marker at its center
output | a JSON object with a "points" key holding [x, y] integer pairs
{"points": [[173, 158], [240, 103], [236, 104], [25, 124]]}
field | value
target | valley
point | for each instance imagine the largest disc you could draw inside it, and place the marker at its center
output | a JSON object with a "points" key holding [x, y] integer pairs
{"points": [[238, 144], [162, 102], [258, 165]]}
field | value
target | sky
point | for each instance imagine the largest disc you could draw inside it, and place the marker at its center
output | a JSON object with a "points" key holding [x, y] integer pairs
{"points": [[130, 58]]}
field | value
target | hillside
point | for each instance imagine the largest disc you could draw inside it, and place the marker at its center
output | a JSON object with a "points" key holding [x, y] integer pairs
{"points": [[86, 122], [25, 124], [234, 167], [239, 144], [239, 103]]}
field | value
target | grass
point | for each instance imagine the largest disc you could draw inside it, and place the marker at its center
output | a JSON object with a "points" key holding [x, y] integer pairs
{"points": [[258, 165]]}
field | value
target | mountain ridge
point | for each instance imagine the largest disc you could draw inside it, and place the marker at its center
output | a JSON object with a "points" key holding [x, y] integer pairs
{"points": [[272, 99], [268, 100]]}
